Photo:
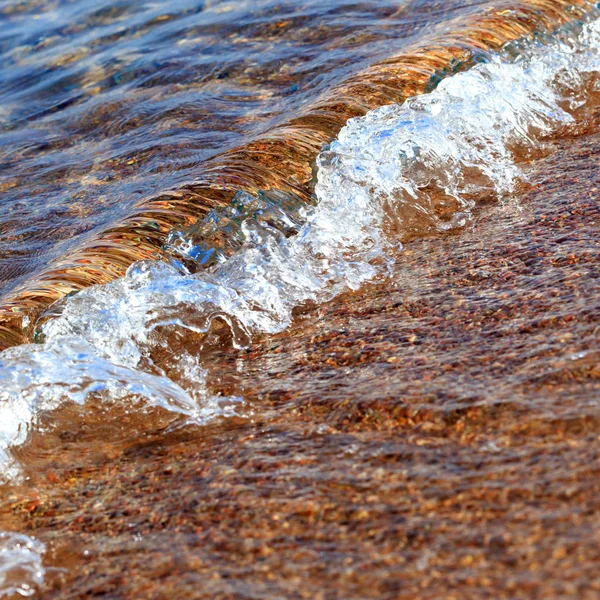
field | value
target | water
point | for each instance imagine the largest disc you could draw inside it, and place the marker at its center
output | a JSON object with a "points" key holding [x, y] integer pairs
{"points": [[106, 105], [21, 570], [142, 348], [401, 169]]}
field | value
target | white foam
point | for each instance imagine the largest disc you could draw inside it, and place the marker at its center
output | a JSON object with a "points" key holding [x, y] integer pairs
{"points": [[424, 161], [21, 568]]}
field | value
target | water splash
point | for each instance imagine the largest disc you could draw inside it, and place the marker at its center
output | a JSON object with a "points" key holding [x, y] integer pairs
{"points": [[21, 569], [279, 157], [400, 170], [36, 379]]}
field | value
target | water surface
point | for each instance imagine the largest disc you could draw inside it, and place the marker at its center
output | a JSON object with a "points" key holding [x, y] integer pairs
{"points": [[103, 105], [241, 416]]}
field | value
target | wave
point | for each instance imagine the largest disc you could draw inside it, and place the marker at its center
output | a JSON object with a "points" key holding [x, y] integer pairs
{"points": [[21, 569], [416, 166]]}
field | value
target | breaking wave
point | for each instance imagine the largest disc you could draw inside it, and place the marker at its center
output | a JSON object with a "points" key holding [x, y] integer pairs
{"points": [[21, 569], [399, 171]]}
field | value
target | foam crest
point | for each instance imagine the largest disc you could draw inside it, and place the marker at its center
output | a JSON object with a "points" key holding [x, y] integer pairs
{"points": [[400, 170], [21, 568]]}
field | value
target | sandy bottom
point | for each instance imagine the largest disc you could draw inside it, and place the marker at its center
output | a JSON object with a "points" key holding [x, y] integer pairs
{"points": [[436, 435]]}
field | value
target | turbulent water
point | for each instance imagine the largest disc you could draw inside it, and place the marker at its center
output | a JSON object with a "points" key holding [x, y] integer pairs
{"points": [[21, 570], [429, 157], [401, 171]]}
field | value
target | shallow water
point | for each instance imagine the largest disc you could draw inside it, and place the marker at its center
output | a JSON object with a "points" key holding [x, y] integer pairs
{"points": [[146, 360], [431, 435], [103, 105]]}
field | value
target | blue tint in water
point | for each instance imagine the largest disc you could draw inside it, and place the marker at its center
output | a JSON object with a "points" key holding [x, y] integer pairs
{"points": [[105, 104]]}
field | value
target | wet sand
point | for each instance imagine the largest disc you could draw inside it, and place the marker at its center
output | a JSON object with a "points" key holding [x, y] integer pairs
{"points": [[435, 435]]}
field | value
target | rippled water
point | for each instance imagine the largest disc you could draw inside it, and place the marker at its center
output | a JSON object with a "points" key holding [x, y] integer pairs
{"points": [[401, 169], [103, 105], [108, 110]]}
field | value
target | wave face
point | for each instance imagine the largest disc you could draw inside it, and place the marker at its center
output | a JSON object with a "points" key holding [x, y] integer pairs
{"points": [[67, 170], [244, 101], [400, 170], [107, 105]]}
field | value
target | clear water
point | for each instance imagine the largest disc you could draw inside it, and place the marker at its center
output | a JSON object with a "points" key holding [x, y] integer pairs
{"points": [[401, 171], [104, 105]]}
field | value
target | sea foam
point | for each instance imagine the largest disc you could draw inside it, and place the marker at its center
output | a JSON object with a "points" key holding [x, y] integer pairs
{"points": [[21, 569]]}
